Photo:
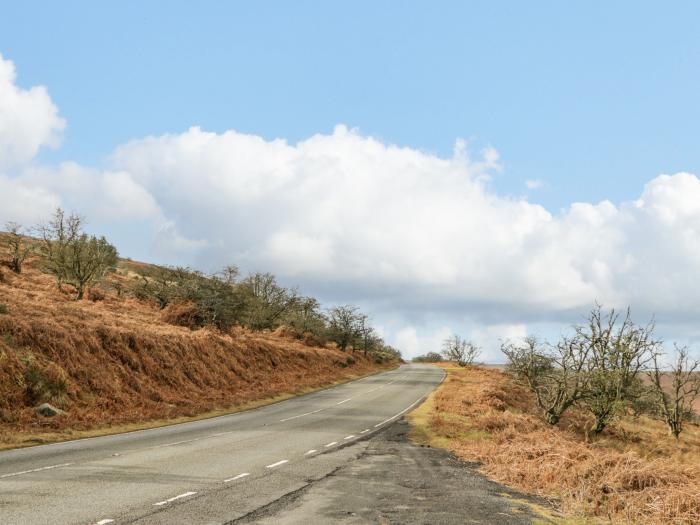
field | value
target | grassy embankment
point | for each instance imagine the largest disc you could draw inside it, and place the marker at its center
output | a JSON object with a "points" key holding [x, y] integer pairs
{"points": [[633, 473], [114, 364]]}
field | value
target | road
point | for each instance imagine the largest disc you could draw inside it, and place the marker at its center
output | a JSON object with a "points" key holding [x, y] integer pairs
{"points": [[216, 470]]}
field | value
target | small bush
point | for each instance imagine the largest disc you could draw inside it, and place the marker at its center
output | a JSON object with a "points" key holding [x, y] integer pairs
{"points": [[4, 310], [49, 383], [350, 360], [182, 313]]}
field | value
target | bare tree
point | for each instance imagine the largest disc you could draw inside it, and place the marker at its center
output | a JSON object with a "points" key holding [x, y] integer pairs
{"points": [[73, 256], [675, 400], [305, 316], [90, 258], [18, 245], [57, 235], [553, 373], [368, 339], [464, 352], [617, 351], [266, 301], [343, 325]]}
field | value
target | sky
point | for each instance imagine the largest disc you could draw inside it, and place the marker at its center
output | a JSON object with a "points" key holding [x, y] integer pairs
{"points": [[486, 168]]}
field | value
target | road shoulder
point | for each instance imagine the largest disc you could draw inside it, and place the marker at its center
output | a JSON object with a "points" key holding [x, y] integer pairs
{"points": [[395, 481]]}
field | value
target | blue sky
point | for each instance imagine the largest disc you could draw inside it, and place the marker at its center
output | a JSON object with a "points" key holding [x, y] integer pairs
{"points": [[159, 121], [593, 98]]}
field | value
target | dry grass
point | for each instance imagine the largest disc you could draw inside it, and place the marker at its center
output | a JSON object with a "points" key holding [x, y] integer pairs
{"points": [[116, 364], [634, 473]]}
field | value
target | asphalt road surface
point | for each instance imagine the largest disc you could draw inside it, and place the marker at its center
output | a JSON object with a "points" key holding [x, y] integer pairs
{"points": [[217, 470]]}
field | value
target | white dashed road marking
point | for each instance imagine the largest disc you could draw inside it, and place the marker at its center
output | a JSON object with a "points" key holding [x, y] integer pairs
{"points": [[344, 401], [301, 415], [365, 431], [104, 522], [237, 477], [310, 451], [282, 462], [170, 500], [350, 436], [331, 444], [34, 470]]}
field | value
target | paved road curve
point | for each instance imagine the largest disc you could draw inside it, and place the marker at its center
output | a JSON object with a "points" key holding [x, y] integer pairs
{"points": [[211, 471]]}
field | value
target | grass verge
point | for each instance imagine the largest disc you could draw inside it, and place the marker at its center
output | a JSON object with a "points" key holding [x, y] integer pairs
{"points": [[633, 473], [30, 439]]}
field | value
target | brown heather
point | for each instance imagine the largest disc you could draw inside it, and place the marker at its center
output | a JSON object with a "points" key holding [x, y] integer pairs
{"points": [[116, 362], [633, 473]]}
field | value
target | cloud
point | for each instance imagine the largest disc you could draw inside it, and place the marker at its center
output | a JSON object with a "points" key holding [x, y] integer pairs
{"points": [[533, 184], [422, 242], [354, 219], [412, 343], [28, 119]]}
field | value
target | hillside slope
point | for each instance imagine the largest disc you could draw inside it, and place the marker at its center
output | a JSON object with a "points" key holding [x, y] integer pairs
{"points": [[115, 361]]}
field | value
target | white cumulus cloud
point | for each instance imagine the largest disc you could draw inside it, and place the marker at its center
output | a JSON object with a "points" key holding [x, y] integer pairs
{"points": [[28, 119], [422, 242]]}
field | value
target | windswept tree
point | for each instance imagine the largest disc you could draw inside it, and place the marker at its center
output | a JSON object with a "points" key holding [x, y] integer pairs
{"points": [[73, 256], [618, 350], [266, 301], [457, 349], [216, 298], [554, 373], [18, 246], [57, 235], [367, 337], [344, 325], [676, 395], [305, 316]]}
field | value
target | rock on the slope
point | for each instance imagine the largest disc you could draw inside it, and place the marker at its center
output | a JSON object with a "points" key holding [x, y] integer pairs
{"points": [[45, 409]]}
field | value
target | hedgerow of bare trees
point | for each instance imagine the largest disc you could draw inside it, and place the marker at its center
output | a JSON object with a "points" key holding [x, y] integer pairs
{"points": [[600, 369], [460, 350], [190, 297]]}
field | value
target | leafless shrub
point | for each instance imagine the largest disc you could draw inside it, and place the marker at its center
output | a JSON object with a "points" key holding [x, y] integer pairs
{"points": [[73, 256], [18, 246], [675, 400], [617, 351], [457, 349], [553, 373]]}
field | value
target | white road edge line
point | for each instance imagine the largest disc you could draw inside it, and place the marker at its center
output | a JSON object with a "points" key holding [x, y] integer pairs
{"points": [[34, 470], [169, 500], [282, 462], [104, 522], [237, 477], [331, 444], [344, 401], [350, 436], [400, 413], [310, 452]]}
